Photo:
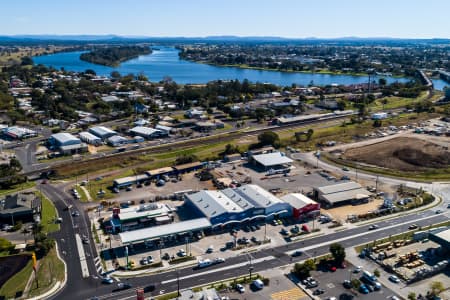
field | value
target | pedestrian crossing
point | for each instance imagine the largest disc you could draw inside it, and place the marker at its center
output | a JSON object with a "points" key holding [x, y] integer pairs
{"points": [[98, 265], [292, 294]]}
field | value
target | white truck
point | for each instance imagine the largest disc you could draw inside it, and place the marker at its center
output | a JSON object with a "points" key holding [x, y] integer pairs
{"points": [[202, 263]]}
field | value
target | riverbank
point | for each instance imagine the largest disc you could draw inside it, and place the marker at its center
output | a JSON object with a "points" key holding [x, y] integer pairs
{"points": [[322, 72]]}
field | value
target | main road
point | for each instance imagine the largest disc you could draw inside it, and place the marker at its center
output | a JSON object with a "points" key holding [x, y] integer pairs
{"points": [[78, 287]]}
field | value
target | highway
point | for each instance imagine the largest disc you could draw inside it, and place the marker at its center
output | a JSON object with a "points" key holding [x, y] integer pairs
{"points": [[78, 287]]}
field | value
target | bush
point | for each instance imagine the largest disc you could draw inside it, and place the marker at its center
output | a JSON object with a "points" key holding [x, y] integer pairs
{"points": [[376, 272]]}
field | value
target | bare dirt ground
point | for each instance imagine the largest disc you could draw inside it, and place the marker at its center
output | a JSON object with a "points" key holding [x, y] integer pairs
{"points": [[402, 153], [341, 213]]}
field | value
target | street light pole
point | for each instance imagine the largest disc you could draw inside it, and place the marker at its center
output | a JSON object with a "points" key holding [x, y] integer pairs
{"points": [[178, 283]]}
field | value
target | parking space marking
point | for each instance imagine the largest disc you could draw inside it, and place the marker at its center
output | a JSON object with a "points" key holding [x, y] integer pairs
{"points": [[292, 294]]}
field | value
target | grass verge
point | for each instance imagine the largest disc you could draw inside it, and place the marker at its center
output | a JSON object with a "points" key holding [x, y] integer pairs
{"points": [[51, 270], [48, 215]]}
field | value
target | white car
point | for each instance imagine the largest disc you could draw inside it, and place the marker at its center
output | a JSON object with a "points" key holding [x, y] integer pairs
{"points": [[219, 260], [394, 279], [181, 253], [357, 269], [240, 288]]}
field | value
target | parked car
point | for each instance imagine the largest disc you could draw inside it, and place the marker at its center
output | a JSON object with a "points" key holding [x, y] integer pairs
{"points": [[357, 269], [347, 284], [258, 284], [240, 288], [181, 253], [284, 231], [363, 289], [318, 292], [394, 279], [210, 249], [149, 259], [310, 282]]}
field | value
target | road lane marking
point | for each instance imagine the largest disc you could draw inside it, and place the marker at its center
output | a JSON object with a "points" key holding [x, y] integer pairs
{"points": [[235, 266]]}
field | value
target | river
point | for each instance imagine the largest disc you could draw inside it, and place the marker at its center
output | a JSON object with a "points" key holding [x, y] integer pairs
{"points": [[164, 61]]}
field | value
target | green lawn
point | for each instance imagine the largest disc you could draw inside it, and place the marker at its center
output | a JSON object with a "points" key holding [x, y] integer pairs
{"points": [[18, 187], [49, 214], [51, 269], [17, 283]]}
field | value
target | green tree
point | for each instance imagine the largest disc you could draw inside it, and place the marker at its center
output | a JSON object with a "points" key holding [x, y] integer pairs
{"points": [[377, 123], [338, 252], [376, 272], [5, 245], [268, 138], [302, 270], [382, 81], [436, 288], [26, 61], [412, 296]]}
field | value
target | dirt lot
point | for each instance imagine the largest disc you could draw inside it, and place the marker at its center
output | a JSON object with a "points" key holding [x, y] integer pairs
{"points": [[405, 154], [341, 213]]}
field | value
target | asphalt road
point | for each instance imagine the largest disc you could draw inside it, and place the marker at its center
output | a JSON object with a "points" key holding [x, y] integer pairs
{"points": [[85, 288]]}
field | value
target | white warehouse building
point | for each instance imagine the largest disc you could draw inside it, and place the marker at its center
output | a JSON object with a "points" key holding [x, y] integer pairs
{"points": [[246, 203]]}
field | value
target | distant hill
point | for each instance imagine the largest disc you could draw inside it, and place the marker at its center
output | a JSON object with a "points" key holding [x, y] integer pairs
{"points": [[111, 38]]}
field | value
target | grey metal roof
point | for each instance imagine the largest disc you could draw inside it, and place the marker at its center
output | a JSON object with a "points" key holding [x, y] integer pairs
{"points": [[297, 200], [101, 131], [213, 203], [339, 187], [272, 159], [444, 235], [163, 230], [238, 198], [64, 137], [142, 130], [88, 136], [258, 196], [346, 195], [117, 139]]}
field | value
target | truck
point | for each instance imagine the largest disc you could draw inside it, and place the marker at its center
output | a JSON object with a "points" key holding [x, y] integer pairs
{"points": [[202, 263]]}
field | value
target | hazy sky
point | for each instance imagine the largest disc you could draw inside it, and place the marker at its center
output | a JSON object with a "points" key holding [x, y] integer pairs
{"points": [[286, 18]]}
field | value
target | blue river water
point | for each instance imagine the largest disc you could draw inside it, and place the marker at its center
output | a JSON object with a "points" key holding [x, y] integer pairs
{"points": [[164, 61]]}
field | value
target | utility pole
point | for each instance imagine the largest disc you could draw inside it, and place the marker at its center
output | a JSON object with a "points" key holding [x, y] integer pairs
{"points": [[178, 283], [265, 231], [376, 185], [126, 254], [250, 268]]}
